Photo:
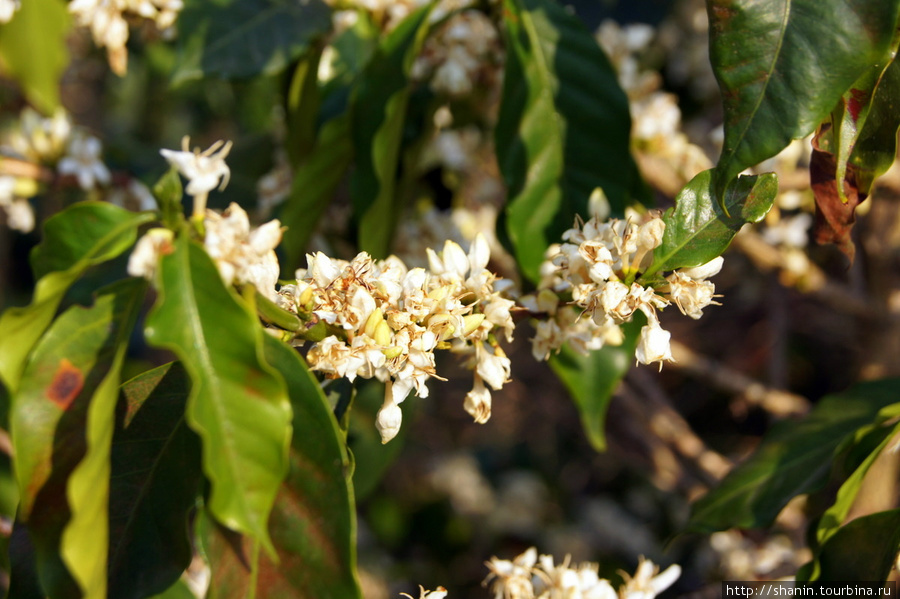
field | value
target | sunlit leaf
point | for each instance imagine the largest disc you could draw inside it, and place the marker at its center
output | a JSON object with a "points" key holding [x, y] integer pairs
{"points": [[83, 235], [698, 230], [238, 406], [563, 128], [313, 522], [794, 458], [156, 477], [592, 378], [378, 112], [783, 65], [244, 38], [37, 67], [61, 424]]}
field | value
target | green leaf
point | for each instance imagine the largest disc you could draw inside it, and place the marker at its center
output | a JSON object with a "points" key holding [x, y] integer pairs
{"points": [[783, 65], [156, 478], [61, 422], [591, 379], [179, 590], [245, 38], [85, 234], [876, 147], [697, 228], [313, 187], [168, 193], [794, 458], [563, 128], [238, 406], [863, 550], [313, 523], [303, 107], [835, 515], [378, 112], [37, 67], [85, 539]]}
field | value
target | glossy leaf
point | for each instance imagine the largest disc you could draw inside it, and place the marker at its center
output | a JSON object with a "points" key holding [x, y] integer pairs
{"points": [[863, 550], [697, 228], [156, 478], [37, 67], [313, 187], [783, 65], [245, 38], [834, 516], [238, 406], [378, 115], [591, 379], [81, 236], [313, 523], [793, 458], [61, 422], [563, 128]]}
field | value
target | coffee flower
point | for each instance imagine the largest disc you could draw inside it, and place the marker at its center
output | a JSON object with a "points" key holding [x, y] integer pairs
{"points": [[82, 160], [599, 267], [383, 320], [203, 170]]}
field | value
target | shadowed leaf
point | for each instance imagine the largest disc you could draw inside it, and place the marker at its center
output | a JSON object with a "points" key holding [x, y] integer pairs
{"points": [[563, 128], [156, 478]]}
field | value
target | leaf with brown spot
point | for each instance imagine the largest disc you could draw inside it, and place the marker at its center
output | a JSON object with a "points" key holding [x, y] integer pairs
{"points": [[66, 384], [61, 452], [313, 523]]}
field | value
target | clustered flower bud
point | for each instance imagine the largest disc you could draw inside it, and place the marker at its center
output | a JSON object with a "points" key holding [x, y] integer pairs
{"points": [[598, 267], [385, 321], [108, 22], [529, 576]]}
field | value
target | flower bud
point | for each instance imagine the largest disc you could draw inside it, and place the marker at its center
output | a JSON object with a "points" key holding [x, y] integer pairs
{"points": [[382, 334], [372, 322], [389, 417], [472, 322]]}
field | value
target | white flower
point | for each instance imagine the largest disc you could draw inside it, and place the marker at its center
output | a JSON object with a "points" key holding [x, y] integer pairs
{"points": [[82, 160], [653, 345], [147, 252], [8, 8], [203, 170], [704, 271], [646, 583], [389, 416], [478, 402], [438, 593]]}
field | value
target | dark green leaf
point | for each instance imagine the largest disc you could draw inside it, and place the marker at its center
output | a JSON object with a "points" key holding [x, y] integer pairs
{"points": [[863, 550], [179, 590], [245, 38], [783, 65], [156, 478], [794, 458], [563, 128], [61, 424], [238, 405], [591, 379], [698, 230], [37, 67], [303, 108], [313, 523], [378, 115], [83, 235], [313, 186]]}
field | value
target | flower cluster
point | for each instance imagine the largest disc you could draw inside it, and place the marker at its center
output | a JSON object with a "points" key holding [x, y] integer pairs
{"points": [[597, 268], [39, 141], [385, 320], [108, 22], [459, 54], [529, 576]]}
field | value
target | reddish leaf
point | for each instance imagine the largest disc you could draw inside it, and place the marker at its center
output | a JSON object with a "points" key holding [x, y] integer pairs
{"points": [[834, 218]]}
